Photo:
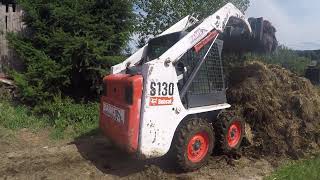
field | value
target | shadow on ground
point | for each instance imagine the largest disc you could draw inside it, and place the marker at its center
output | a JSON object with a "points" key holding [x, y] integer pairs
{"points": [[96, 148]]}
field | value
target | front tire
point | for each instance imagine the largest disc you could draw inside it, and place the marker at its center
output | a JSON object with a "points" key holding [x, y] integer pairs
{"points": [[193, 144], [230, 131]]}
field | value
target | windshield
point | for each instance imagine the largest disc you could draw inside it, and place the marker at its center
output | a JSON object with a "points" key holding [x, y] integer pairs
{"points": [[160, 45], [156, 50]]}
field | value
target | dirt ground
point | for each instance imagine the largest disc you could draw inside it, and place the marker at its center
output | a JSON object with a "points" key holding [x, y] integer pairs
{"points": [[28, 155]]}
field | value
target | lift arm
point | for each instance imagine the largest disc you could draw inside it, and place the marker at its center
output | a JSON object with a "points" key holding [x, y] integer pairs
{"points": [[217, 21]]}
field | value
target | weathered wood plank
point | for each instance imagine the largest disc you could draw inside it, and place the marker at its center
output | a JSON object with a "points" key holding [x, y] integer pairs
{"points": [[9, 22], [10, 19]]}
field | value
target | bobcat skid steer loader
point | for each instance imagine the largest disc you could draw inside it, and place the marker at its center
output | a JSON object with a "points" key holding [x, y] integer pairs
{"points": [[170, 95]]}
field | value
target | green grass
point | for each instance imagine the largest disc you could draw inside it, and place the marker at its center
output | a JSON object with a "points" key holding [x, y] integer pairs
{"points": [[18, 117], [303, 170], [64, 118], [6, 134]]}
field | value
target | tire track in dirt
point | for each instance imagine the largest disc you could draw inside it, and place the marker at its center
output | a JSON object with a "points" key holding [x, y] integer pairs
{"points": [[41, 162]]}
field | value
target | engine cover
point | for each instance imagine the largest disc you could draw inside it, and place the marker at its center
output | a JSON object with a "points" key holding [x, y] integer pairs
{"points": [[120, 110]]}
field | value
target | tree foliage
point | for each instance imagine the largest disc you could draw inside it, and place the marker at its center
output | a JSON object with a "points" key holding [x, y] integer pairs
{"points": [[312, 54], [285, 57], [156, 16], [69, 45]]}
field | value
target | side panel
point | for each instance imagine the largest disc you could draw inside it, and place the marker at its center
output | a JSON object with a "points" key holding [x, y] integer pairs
{"points": [[161, 110], [120, 110]]}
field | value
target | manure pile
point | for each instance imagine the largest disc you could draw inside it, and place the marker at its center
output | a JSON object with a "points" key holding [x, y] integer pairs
{"points": [[281, 109]]}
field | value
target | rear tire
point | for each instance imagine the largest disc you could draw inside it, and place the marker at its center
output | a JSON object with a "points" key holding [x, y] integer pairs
{"points": [[230, 131], [193, 144]]}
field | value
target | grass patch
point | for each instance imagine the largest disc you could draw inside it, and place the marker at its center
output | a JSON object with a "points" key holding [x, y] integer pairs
{"points": [[19, 116], [6, 134], [303, 170], [68, 118], [64, 118]]}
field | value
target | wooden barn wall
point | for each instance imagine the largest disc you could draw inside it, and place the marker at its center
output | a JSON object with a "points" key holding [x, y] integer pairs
{"points": [[10, 21]]}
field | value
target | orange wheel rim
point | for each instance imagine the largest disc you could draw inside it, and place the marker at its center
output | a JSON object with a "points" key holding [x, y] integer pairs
{"points": [[234, 134], [198, 147]]}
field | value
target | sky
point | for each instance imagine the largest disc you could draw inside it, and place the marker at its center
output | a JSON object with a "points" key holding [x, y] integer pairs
{"points": [[297, 21]]}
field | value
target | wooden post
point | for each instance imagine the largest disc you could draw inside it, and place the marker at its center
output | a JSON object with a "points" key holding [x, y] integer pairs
{"points": [[3, 41]]}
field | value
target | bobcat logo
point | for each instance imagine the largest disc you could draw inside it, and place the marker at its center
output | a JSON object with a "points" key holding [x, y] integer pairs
{"points": [[197, 35]]}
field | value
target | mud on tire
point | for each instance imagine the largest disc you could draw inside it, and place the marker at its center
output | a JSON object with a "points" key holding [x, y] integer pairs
{"points": [[230, 131], [193, 144]]}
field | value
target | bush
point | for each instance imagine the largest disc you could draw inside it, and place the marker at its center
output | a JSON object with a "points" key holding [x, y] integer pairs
{"points": [[69, 118], [69, 46], [65, 117], [285, 57]]}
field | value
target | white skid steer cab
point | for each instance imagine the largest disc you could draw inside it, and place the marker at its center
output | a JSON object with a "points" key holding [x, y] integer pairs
{"points": [[170, 95]]}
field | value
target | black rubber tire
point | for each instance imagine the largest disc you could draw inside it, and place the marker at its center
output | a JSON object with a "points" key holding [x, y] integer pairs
{"points": [[185, 131], [222, 125]]}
